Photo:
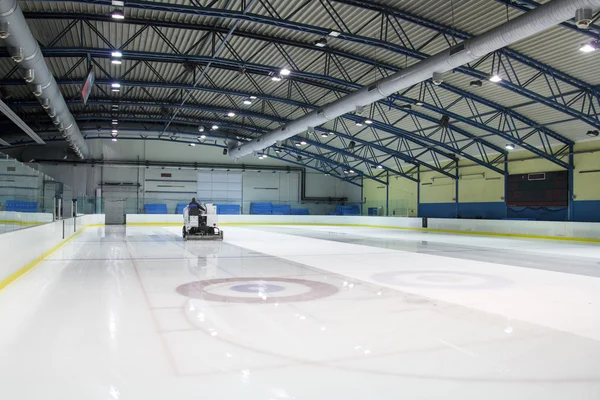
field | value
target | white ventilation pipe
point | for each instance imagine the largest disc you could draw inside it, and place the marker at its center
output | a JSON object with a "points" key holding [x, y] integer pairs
{"points": [[26, 52], [526, 25]]}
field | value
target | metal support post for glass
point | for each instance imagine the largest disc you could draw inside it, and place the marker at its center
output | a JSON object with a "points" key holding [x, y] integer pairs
{"points": [[59, 212], [54, 210], [74, 215], [571, 216]]}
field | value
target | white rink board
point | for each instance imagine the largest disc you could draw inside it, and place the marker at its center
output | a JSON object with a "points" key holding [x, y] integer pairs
{"points": [[21, 247], [523, 228]]}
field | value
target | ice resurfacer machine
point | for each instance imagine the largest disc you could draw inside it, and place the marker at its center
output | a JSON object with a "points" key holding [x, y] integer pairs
{"points": [[200, 224]]}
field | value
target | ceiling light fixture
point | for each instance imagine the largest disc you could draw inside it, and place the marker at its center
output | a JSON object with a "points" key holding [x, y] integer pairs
{"points": [[303, 142], [192, 144], [334, 33], [509, 146], [495, 78], [115, 121], [215, 127], [231, 114], [321, 42], [117, 14], [114, 139], [248, 102], [368, 121], [380, 167], [351, 171], [298, 144], [358, 123], [116, 61], [476, 83], [116, 54], [285, 72], [589, 47], [276, 78], [324, 135], [593, 133]]}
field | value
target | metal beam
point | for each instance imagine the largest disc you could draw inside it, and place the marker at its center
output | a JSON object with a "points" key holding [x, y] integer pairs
{"points": [[261, 69], [5, 109], [587, 89], [331, 51], [311, 142], [423, 141]]}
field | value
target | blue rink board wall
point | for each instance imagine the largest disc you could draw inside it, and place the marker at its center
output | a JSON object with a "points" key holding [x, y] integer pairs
{"points": [[583, 211]]}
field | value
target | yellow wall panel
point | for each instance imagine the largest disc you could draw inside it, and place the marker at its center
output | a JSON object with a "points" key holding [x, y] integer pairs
{"points": [[375, 194], [478, 184], [587, 184], [403, 196], [437, 188]]}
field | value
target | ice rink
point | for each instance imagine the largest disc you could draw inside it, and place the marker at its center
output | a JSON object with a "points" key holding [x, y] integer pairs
{"points": [[276, 313]]}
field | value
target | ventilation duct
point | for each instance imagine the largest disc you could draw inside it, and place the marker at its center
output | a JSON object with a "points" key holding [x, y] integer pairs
{"points": [[538, 20], [25, 51]]}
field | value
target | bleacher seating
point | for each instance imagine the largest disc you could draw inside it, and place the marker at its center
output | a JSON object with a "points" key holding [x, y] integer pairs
{"points": [[299, 211], [228, 209], [21, 206], [261, 208], [347, 210], [282, 209], [155, 208]]}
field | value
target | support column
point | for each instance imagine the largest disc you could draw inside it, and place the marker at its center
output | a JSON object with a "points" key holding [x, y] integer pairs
{"points": [[505, 185], [387, 195], [418, 190], [571, 216], [456, 190]]}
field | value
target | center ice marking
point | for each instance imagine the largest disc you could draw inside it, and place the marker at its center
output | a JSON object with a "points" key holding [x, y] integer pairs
{"points": [[442, 279], [293, 290], [257, 288]]}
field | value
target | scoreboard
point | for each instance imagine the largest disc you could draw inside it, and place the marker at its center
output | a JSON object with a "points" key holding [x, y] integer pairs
{"points": [[550, 189]]}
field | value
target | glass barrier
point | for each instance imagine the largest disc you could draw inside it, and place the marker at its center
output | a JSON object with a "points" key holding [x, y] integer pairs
{"points": [[29, 197], [172, 205]]}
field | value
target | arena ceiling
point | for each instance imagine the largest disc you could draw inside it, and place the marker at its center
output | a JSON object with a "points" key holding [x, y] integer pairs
{"points": [[186, 64]]}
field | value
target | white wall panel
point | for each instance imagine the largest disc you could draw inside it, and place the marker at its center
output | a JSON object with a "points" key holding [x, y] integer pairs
{"points": [[218, 186]]}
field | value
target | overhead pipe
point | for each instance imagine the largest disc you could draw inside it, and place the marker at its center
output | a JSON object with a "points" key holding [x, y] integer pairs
{"points": [[526, 25], [26, 52]]}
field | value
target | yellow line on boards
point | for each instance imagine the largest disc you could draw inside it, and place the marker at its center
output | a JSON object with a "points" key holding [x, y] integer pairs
{"points": [[514, 235], [16, 275], [15, 222]]}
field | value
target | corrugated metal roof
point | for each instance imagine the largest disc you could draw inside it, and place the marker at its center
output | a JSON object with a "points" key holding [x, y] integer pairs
{"points": [[557, 47]]}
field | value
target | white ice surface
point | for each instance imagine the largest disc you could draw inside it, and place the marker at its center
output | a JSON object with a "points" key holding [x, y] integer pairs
{"points": [[102, 319]]}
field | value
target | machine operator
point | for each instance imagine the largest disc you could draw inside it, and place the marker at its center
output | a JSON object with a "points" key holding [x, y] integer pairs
{"points": [[194, 204]]}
